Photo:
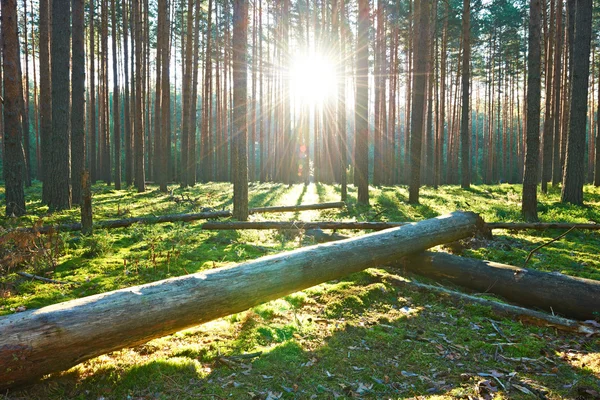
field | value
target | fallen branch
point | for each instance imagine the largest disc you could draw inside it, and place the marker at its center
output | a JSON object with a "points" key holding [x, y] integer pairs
{"points": [[532, 252], [521, 226], [572, 297], [38, 342], [41, 278], [508, 310], [122, 223], [214, 225]]}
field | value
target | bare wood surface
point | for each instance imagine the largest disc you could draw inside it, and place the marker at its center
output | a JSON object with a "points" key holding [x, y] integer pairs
{"points": [[122, 223], [38, 342], [507, 310], [569, 296]]}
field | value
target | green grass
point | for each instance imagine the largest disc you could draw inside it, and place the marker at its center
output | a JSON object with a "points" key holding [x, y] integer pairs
{"points": [[358, 336]]}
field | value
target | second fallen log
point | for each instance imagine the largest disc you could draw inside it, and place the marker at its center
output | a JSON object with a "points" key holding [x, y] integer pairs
{"points": [[551, 292], [38, 342]]}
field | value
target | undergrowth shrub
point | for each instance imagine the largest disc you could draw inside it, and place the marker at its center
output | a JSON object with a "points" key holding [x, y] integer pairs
{"points": [[30, 250], [97, 245]]}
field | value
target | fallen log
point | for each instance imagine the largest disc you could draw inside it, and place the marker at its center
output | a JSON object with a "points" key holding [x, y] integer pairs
{"points": [[551, 292], [54, 338], [379, 225], [521, 226], [215, 225], [506, 310], [122, 223]]}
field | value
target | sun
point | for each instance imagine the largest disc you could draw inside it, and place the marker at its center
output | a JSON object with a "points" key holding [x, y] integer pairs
{"points": [[313, 79]]}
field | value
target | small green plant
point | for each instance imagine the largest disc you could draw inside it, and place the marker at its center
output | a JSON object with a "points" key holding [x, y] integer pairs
{"points": [[97, 245]]}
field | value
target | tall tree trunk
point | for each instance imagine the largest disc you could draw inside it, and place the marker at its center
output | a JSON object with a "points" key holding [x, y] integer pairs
{"points": [[60, 167], [362, 103], [46, 96], [194, 101], [465, 134], [127, 103], [548, 112], [186, 94], [419, 88], [557, 101], [342, 138], [14, 168], [38, 158], [572, 190], [207, 99], [239, 143], [165, 102], [530, 177], [140, 172], [263, 107], [439, 154], [78, 101], [116, 95], [25, 96], [159, 169]]}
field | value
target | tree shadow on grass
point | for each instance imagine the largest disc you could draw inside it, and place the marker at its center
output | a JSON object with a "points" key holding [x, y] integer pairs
{"points": [[396, 343]]}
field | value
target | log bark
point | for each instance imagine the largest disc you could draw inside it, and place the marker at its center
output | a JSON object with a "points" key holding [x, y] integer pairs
{"points": [[505, 310], [551, 292], [122, 223], [38, 342], [301, 225]]}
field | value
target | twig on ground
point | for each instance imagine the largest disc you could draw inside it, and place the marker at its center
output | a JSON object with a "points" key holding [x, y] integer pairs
{"points": [[532, 252], [41, 278]]}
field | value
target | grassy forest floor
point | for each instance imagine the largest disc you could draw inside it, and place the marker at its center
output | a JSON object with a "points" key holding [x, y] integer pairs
{"points": [[356, 337]]}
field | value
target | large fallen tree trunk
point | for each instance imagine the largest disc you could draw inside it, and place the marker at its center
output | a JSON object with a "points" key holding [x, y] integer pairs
{"points": [[54, 338], [505, 310], [212, 225], [552, 292], [122, 223]]}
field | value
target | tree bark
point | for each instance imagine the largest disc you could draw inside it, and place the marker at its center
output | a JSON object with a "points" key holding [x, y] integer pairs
{"points": [[92, 108], [361, 122], [54, 338], [45, 96], [116, 100], [505, 310], [140, 173], [465, 134], [60, 167], [579, 298], [421, 52], [530, 176], [77, 100], [573, 178], [239, 143], [86, 204], [127, 105], [13, 155]]}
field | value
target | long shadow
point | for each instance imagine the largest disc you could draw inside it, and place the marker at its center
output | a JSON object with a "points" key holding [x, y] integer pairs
{"points": [[299, 201]]}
